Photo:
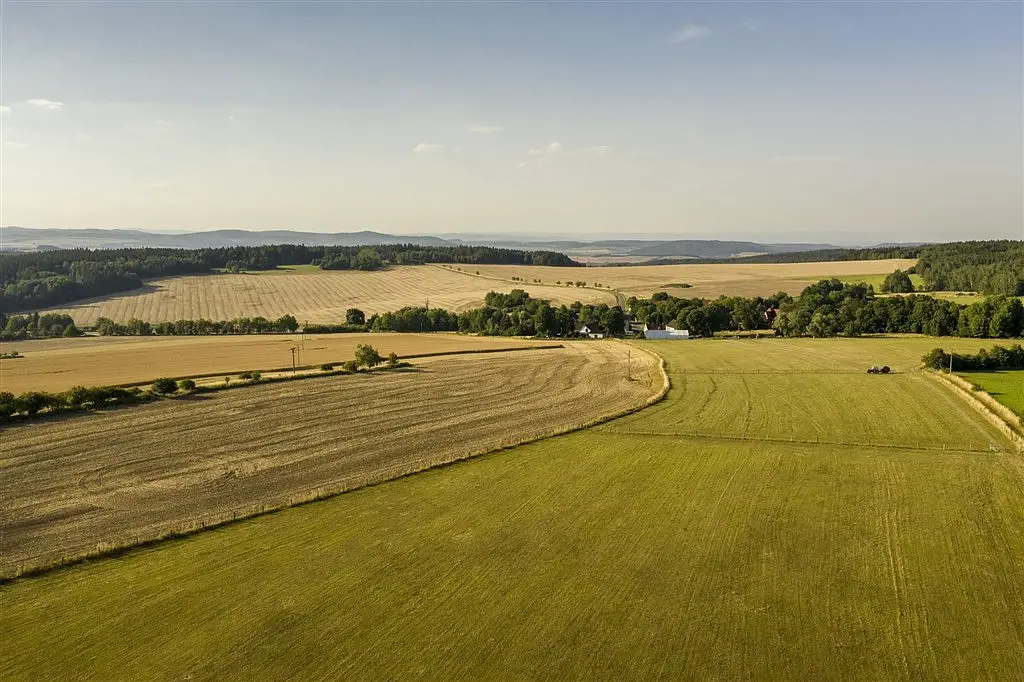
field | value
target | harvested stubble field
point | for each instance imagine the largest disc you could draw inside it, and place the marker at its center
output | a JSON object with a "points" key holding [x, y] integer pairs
{"points": [[68, 485], [59, 364], [709, 281], [601, 554], [311, 295]]}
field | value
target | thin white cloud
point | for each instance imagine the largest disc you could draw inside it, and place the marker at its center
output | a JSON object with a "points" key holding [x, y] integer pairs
{"points": [[163, 184], [47, 104], [557, 151], [690, 32], [553, 149], [486, 130], [428, 147], [14, 145], [4, 109], [751, 25], [809, 159]]}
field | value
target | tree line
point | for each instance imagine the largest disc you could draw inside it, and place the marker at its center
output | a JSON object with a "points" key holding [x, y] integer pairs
{"points": [[39, 279], [36, 326], [999, 357], [834, 308], [240, 325]]}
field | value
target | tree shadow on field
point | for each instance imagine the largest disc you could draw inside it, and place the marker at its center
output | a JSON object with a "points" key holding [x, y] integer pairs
{"points": [[144, 290]]}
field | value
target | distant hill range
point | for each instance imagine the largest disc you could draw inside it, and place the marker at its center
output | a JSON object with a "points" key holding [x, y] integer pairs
{"points": [[33, 239]]}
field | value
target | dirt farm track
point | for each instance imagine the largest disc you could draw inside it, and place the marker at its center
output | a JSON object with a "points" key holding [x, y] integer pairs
{"points": [[117, 477]]}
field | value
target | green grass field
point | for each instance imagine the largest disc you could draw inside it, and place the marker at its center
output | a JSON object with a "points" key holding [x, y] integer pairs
{"points": [[1006, 386], [876, 280], [693, 539]]}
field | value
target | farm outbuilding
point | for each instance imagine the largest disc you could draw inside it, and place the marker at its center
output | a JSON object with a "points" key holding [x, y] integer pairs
{"points": [[591, 332], [665, 332]]}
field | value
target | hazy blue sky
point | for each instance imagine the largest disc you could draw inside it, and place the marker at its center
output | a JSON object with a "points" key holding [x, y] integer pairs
{"points": [[844, 122]]}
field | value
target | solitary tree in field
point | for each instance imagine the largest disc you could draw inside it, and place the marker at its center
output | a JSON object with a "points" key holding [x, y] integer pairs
{"points": [[897, 283], [367, 356], [392, 359], [355, 316]]}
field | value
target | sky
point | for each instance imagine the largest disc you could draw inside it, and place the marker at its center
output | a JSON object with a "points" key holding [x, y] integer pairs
{"points": [[839, 122]]}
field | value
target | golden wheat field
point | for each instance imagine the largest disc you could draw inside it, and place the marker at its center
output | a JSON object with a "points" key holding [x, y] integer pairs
{"points": [[118, 477], [708, 281], [59, 364], [311, 295]]}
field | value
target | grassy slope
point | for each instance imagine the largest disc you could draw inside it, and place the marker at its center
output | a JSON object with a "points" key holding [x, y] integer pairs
{"points": [[1007, 387], [600, 554]]}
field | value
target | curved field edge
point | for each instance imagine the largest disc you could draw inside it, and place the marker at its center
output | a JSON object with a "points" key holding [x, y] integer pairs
{"points": [[380, 476], [996, 413], [591, 556]]}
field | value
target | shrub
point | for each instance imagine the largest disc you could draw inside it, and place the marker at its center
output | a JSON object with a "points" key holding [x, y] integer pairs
{"points": [[350, 366], [76, 396], [251, 375], [164, 385], [367, 356], [186, 385], [6, 404], [392, 359], [326, 367]]}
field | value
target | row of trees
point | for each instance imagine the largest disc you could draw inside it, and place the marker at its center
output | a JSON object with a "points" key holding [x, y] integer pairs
{"points": [[241, 325], [46, 278], [36, 326], [832, 308], [999, 357], [77, 398]]}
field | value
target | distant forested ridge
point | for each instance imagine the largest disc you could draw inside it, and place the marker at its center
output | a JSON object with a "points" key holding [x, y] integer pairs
{"points": [[990, 267], [40, 279], [815, 256]]}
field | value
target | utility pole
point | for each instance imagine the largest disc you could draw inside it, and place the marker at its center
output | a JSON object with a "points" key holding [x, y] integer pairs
{"points": [[629, 373], [292, 349]]}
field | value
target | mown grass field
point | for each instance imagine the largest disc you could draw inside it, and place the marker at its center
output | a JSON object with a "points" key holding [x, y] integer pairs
{"points": [[710, 547], [310, 294], [1006, 386], [877, 279], [708, 281], [59, 364]]}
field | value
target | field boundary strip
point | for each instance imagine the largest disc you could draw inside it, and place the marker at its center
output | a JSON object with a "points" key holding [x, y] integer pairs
{"points": [[106, 550], [467, 351], [993, 413], [799, 441]]}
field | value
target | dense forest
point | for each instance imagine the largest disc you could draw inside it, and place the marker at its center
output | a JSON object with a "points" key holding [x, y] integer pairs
{"points": [[990, 267], [46, 278]]}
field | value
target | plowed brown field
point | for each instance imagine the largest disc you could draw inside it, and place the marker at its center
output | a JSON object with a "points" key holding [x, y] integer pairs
{"points": [[59, 364], [71, 485], [310, 295]]}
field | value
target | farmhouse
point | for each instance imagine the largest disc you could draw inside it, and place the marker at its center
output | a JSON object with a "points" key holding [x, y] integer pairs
{"points": [[591, 331], [664, 331]]}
